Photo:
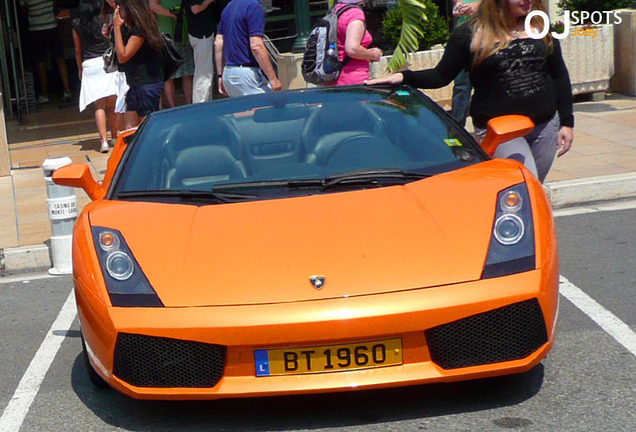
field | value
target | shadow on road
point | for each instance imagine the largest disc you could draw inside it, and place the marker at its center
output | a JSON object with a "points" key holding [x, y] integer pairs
{"points": [[307, 411]]}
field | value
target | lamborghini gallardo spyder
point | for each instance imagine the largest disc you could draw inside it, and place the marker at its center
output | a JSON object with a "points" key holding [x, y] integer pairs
{"points": [[319, 240]]}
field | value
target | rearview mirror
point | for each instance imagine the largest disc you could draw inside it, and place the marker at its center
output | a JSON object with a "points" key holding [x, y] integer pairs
{"points": [[505, 128], [79, 176]]}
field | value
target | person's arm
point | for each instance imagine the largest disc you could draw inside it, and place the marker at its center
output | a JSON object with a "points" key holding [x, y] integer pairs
{"points": [[456, 57], [197, 9], [159, 9], [262, 57], [559, 73], [353, 40], [77, 42], [220, 62], [125, 52]]}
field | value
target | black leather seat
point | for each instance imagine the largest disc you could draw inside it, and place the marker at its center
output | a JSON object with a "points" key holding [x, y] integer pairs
{"points": [[204, 165], [340, 117], [356, 150], [208, 153]]}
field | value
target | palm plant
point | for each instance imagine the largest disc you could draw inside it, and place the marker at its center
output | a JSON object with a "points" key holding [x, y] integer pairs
{"points": [[413, 18]]}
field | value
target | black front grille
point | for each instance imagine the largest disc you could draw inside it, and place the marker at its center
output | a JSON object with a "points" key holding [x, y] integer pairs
{"points": [[508, 333], [148, 361]]}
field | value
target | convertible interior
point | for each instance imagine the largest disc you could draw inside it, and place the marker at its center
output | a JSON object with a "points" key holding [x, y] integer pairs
{"points": [[294, 141]]}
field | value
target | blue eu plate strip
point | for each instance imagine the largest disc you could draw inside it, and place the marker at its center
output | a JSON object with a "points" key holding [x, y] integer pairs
{"points": [[261, 360]]}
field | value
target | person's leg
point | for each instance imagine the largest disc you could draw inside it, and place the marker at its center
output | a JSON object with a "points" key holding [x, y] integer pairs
{"points": [[56, 46], [186, 84], [461, 97], [37, 54], [169, 93], [61, 67], [203, 50], [120, 121], [44, 82], [100, 121], [517, 149], [112, 117], [543, 144], [131, 119]]}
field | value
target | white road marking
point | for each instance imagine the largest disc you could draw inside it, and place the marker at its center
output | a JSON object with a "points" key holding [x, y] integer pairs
{"points": [[19, 405], [601, 316]]}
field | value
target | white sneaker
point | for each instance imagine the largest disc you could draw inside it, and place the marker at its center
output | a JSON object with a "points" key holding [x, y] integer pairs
{"points": [[42, 99], [104, 148]]}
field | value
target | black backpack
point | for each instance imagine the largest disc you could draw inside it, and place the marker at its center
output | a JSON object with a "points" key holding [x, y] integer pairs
{"points": [[320, 61]]}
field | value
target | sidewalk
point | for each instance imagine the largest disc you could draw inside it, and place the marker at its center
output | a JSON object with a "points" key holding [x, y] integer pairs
{"points": [[600, 166]]}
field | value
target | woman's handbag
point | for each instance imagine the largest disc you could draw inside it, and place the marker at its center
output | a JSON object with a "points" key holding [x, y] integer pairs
{"points": [[172, 59], [110, 59]]}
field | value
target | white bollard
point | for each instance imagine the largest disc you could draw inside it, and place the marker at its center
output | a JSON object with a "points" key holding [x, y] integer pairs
{"points": [[62, 205]]}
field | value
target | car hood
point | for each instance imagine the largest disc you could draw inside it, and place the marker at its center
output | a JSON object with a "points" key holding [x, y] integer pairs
{"points": [[426, 233]]}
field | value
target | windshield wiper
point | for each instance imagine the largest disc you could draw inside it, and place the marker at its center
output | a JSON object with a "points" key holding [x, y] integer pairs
{"points": [[189, 195], [371, 177]]}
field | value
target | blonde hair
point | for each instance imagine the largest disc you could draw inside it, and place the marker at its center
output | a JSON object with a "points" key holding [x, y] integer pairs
{"points": [[491, 32]]}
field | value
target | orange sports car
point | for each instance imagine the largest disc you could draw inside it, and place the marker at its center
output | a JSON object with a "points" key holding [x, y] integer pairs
{"points": [[321, 240]]}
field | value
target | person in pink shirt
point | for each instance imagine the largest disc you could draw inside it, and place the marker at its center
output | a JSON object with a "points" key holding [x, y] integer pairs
{"points": [[353, 45]]}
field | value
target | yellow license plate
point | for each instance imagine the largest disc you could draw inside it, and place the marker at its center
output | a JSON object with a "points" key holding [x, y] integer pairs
{"points": [[328, 358]]}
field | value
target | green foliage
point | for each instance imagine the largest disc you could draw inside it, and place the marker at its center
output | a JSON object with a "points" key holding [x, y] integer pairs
{"points": [[594, 5], [413, 25]]}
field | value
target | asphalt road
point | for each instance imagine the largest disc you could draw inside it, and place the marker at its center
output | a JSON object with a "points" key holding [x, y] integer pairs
{"points": [[587, 382]]}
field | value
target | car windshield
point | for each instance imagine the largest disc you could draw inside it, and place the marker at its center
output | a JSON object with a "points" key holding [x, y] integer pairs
{"points": [[291, 143]]}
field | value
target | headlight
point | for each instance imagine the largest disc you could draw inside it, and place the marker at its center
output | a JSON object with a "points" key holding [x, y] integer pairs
{"points": [[125, 281], [119, 265], [511, 248], [509, 229]]}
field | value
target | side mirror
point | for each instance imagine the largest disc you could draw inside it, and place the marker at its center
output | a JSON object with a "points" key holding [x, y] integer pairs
{"points": [[505, 128], [79, 176]]}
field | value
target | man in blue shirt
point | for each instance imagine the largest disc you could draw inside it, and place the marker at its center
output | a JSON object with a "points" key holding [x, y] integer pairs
{"points": [[240, 52]]}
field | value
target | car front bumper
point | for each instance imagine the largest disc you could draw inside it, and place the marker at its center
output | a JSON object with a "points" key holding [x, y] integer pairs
{"points": [[519, 305]]}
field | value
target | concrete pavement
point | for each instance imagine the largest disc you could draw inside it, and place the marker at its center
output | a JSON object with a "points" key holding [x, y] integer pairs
{"points": [[601, 166]]}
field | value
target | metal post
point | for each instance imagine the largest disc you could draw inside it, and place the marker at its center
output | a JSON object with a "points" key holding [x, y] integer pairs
{"points": [[62, 205], [303, 25]]}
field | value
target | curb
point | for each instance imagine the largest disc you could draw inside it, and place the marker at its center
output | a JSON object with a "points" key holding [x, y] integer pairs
{"points": [[569, 193], [566, 193], [24, 259]]}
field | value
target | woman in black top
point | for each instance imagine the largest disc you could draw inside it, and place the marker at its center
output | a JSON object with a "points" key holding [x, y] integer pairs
{"points": [[511, 73], [107, 14], [139, 44], [98, 87]]}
